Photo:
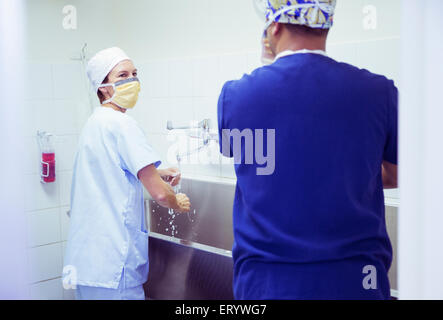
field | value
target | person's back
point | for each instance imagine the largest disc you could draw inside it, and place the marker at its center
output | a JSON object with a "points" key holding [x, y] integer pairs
{"points": [[107, 212], [314, 227]]}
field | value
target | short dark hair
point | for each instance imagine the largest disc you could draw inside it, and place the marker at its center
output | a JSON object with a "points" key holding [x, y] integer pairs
{"points": [[305, 30]]}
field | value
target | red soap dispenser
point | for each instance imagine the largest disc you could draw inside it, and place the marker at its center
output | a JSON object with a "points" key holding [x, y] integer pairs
{"points": [[47, 172]]}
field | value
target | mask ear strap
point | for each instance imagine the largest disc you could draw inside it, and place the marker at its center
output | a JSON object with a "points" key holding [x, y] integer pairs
{"points": [[108, 85]]}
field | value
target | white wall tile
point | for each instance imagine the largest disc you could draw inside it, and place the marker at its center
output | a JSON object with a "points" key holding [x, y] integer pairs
{"points": [[39, 196], [208, 161], [64, 181], [144, 70], [63, 248], [253, 61], [39, 115], [69, 81], [157, 116], [43, 227], [31, 156], [160, 145], [45, 262], [168, 145], [142, 112], [181, 111], [178, 110], [206, 76], [38, 79], [233, 67], [84, 111], [180, 78], [64, 223], [65, 151], [388, 23], [66, 116], [206, 108], [158, 79], [47, 290], [349, 20], [204, 161], [346, 52], [381, 57]]}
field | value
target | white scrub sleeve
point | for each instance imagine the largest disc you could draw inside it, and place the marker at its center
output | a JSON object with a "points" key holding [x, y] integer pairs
{"points": [[134, 150]]}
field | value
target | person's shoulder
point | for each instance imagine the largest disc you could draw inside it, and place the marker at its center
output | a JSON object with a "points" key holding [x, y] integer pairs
{"points": [[111, 120], [364, 75], [111, 115], [249, 82]]}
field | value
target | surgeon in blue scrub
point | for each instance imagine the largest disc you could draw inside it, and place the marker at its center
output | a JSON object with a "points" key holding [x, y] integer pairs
{"points": [[107, 249], [314, 226]]}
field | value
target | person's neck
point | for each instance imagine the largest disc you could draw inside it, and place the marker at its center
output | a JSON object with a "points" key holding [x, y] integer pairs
{"points": [[301, 44], [113, 106]]}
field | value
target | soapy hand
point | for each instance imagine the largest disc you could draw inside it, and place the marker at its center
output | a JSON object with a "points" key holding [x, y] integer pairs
{"points": [[171, 176], [183, 203]]}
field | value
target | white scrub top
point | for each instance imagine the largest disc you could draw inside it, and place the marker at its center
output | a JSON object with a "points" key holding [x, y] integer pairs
{"points": [[107, 230]]}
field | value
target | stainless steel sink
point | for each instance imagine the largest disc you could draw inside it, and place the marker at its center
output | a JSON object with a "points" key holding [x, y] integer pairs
{"points": [[209, 222], [190, 254]]}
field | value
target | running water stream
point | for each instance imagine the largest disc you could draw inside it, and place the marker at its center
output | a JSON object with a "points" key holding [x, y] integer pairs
{"points": [[171, 226]]}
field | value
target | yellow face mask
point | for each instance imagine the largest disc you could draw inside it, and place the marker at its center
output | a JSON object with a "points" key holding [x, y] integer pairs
{"points": [[125, 93]]}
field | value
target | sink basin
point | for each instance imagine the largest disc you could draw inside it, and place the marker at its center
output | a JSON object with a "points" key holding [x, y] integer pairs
{"points": [[209, 223], [190, 253]]}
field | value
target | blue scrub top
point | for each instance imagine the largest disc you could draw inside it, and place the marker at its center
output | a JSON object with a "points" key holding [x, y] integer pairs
{"points": [[308, 230], [107, 230]]}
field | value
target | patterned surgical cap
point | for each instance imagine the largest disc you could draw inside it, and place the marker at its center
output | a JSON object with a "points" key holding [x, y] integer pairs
{"points": [[312, 13]]}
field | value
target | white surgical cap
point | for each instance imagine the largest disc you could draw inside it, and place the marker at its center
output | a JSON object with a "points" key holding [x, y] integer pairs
{"points": [[102, 63]]}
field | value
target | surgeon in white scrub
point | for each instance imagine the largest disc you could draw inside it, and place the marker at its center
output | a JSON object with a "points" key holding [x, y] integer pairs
{"points": [[107, 249]]}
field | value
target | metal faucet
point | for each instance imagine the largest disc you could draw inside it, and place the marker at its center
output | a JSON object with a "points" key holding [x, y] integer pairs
{"points": [[205, 125]]}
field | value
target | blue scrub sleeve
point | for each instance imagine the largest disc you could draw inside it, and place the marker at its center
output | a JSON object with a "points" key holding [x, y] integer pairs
{"points": [[222, 136], [134, 150], [391, 147]]}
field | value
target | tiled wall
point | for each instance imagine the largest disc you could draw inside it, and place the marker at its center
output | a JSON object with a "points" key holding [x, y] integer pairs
{"points": [[186, 90], [56, 102]]}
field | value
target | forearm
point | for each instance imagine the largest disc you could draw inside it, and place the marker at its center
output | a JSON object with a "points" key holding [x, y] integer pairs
{"points": [[159, 190], [167, 198], [389, 176], [389, 184]]}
